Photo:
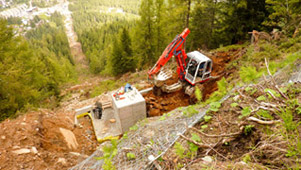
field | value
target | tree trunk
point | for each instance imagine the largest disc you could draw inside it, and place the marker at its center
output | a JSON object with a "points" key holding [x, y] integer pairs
{"points": [[188, 13]]}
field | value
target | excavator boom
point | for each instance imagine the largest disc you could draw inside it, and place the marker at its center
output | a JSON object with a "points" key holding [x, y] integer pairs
{"points": [[175, 48], [192, 68]]}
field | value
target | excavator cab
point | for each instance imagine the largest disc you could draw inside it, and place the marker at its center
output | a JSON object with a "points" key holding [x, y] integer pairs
{"points": [[198, 69]]}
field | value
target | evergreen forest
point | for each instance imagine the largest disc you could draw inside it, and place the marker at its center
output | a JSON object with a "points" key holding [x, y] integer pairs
{"points": [[122, 36]]}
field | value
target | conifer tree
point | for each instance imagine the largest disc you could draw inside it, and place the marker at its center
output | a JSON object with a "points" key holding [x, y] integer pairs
{"points": [[285, 14], [160, 27], [145, 48], [122, 60]]}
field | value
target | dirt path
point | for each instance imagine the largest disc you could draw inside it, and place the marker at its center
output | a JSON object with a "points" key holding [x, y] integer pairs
{"points": [[80, 59]]}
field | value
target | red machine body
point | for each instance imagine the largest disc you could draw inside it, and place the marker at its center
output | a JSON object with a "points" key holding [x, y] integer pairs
{"points": [[175, 48]]}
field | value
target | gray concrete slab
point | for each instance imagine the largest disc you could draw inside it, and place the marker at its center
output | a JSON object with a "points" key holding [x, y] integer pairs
{"points": [[104, 128]]}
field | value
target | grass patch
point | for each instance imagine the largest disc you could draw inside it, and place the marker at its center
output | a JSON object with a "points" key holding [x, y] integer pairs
{"points": [[231, 47]]}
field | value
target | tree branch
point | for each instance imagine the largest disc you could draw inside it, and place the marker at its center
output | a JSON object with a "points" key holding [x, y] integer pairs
{"points": [[276, 86], [215, 136], [254, 119], [194, 142]]}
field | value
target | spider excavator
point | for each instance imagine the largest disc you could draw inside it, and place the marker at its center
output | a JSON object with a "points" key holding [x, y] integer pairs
{"points": [[192, 68]]}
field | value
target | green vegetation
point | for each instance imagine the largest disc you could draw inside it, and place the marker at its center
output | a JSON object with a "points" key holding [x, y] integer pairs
{"points": [[97, 28], [33, 70], [234, 104], [179, 150], [130, 156], [261, 98], [245, 112], [192, 147], [207, 118], [133, 128], [248, 129], [249, 74], [44, 4], [122, 60], [212, 23], [198, 94], [190, 111], [223, 88], [109, 152], [214, 106], [264, 114], [106, 85]]}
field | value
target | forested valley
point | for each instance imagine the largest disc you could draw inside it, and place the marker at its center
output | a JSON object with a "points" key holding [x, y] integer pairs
{"points": [[121, 36], [77, 73], [213, 24], [33, 67]]}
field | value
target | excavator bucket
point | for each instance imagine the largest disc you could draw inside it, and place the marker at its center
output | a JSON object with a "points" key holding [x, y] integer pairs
{"points": [[162, 77]]}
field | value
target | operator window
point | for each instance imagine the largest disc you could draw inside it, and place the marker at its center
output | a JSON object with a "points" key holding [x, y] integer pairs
{"points": [[192, 67], [208, 66], [201, 69]]}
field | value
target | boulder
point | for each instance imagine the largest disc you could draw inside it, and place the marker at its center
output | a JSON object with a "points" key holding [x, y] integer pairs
{"points": [[69, 138]]}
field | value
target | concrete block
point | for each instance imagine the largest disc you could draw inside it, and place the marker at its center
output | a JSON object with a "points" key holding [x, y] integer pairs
{"points": [[84, 110], [129, 110]]}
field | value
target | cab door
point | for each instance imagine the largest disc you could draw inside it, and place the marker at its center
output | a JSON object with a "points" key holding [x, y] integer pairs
{"points": [[204, 71]]}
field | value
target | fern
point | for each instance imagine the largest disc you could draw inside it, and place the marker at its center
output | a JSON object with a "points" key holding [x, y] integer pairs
{"points": [[249, 74], [180, 150], [198, 94], [245, 112], [215, 106]]}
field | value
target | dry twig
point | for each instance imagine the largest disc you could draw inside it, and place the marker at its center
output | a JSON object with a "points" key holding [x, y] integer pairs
{"points": [[194, 142], [262, 121], [275, 84], [263, 108], [216, 136]]}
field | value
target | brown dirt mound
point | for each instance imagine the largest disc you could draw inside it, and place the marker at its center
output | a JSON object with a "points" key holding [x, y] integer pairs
{"points": [[38, 133], [158, 105]]}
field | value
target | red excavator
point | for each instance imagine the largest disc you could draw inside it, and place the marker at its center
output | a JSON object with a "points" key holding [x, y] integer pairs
{"points": [[193, 68]]}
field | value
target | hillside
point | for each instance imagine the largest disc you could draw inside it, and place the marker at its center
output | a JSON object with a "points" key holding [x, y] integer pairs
{"points": [[58, 56]]}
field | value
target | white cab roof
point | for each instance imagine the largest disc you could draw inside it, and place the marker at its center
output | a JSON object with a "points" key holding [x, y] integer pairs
{"points": [[199, 57]]}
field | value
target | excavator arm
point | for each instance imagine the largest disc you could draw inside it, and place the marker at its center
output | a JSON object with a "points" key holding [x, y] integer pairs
{"points": [[175, 48]]}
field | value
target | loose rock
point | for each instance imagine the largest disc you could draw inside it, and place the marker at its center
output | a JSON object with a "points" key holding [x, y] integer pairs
{"points": [[207, 159], [69, 138], [22, 151], [34, 150], [62, 161]]}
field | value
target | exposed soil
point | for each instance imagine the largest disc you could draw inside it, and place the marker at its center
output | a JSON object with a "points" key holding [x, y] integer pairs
{"points": [[158, 105], [38, 133]]}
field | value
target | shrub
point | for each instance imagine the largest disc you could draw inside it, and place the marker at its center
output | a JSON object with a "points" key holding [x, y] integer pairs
{"points": [[249, 74]]}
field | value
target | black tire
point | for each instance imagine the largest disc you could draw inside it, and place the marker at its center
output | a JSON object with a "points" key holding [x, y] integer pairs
{"points": [[192, 100], [157, 91]]}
